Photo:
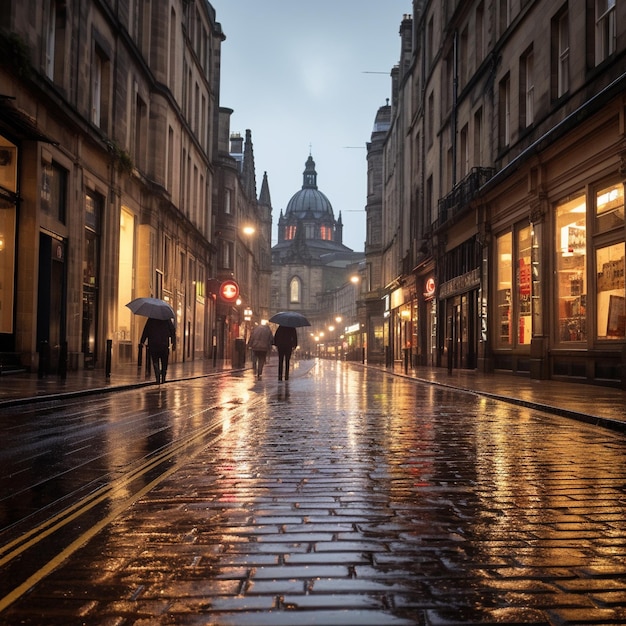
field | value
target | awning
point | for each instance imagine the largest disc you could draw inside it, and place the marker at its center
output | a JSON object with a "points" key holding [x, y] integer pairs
{"points": [[15, 123]]}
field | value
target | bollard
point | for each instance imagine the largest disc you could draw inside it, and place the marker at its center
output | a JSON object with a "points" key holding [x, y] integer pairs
{"points": [[63, 361], [44, 359], [107, 365]]}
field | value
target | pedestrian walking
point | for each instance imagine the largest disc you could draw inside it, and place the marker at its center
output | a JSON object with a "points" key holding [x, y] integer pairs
{"points": [[260, 342], [285, 340], [159, 333]]}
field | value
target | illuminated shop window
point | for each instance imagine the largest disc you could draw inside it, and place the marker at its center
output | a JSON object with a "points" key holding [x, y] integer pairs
{"points": [[610, 311], [504, 246], [571, 266], [524, 286]]}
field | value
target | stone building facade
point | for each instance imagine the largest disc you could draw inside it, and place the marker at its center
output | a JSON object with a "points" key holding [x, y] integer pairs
{"points": [[504, 189], [109, 131]]}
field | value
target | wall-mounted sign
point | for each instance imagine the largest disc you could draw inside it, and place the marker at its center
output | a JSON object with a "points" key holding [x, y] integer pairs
{"points": [[429, 287], [229, 291]]}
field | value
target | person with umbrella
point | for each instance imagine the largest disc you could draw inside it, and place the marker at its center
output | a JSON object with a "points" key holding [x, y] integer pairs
{"points": [[286, 337], [260, 343], [285, 340], [159, 332]]}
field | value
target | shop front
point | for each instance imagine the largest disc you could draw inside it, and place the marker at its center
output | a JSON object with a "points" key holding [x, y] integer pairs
{"points": [[458, 303], [403, 316], [560, 289]]}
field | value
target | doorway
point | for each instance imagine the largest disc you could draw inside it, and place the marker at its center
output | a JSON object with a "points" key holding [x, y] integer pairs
{"points": [[51, 300]]}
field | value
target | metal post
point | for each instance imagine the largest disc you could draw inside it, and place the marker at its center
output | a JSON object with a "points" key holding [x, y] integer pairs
{"points": [[107, 366], [63, 361]]}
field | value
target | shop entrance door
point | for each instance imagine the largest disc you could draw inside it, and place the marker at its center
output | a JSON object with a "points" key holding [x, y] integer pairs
{"points": [[463, 330]]}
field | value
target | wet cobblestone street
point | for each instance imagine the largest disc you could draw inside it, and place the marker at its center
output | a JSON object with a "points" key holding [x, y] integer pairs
{"points": [[346, 496]]}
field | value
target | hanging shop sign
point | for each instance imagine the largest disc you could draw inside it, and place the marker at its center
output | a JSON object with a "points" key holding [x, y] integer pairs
{"points": [[229, 291]]}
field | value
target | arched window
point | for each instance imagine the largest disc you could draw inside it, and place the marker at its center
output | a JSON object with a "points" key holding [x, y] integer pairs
{"points": [[294, 289]]}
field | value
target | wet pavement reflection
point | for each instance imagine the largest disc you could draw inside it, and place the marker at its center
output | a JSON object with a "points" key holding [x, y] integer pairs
{"points": [[342, 496]]}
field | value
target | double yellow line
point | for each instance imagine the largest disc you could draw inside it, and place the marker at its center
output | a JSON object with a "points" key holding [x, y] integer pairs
{"points": [[35, 535]]}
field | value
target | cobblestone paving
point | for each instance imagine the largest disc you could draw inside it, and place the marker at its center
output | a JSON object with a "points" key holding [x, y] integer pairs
{"points": [[355, 498]]}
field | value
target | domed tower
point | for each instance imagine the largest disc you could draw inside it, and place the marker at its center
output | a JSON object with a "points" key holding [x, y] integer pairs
{"points": [[310, 212]]}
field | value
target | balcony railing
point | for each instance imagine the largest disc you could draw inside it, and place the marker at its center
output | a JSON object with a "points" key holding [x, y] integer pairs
{"points": [[461, 195]]}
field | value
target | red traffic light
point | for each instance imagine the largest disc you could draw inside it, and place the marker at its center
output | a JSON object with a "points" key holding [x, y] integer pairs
{"points": [[229, 291]]}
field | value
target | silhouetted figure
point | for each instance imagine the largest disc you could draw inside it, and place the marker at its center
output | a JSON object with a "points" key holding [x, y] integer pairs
{"points": [[285, 340], [260, 343], [159, 333]]}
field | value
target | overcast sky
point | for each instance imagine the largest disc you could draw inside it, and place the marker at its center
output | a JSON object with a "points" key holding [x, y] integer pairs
{"points": [[309, 76]]}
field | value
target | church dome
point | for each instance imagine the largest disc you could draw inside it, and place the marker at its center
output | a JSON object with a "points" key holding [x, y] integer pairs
{"points": [[309, 201]]}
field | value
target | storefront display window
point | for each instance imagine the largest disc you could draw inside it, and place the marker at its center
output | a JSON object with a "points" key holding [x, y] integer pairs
{"points": [[611, 310], [524, 323], [7, 265], [571, 265], [504, 246]]}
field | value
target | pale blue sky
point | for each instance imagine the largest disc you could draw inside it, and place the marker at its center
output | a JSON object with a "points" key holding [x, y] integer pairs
{"points": [[303, 75]]}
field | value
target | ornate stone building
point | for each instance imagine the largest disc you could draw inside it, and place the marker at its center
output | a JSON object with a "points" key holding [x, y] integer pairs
{"points": [[310, 261]]}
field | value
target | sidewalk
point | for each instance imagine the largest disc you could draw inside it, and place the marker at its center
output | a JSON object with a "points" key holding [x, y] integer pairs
{"points": [[593, 404], [20, 388]]}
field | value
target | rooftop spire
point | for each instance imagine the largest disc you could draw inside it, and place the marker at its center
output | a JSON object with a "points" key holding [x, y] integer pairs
{"points": [[264, 196], [310, 175], [248, 172]]}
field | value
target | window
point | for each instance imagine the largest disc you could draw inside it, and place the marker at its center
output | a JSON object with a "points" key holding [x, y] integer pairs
{"points": [[505, 15], [605, 29], [527, 89], [514, 290], [226, 255], [294, 290], [430, 129], [609, 259], [100, 88], [504, 260], [479, 33], [610, 208], [141, 133], [54, 191], [571, 266], [463, 57], [430, 43], [93, 219], [464, 156], [478, 133], [55, 18], [7, 264], [560, 54], [170, 159], [611, 297], [524, 285], [505, 112], [228, 209]]}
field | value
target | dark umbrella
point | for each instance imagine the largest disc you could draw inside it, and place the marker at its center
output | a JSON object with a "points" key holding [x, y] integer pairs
{"points": [[151, 307], [293, 319]]}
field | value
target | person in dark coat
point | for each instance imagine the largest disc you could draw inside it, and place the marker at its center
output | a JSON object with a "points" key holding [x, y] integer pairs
{"points": [[285, 340], [260, 343], [159, 333]]}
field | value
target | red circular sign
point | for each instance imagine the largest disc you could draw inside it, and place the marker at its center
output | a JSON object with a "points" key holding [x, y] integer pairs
{"points": [[229, 290]]}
